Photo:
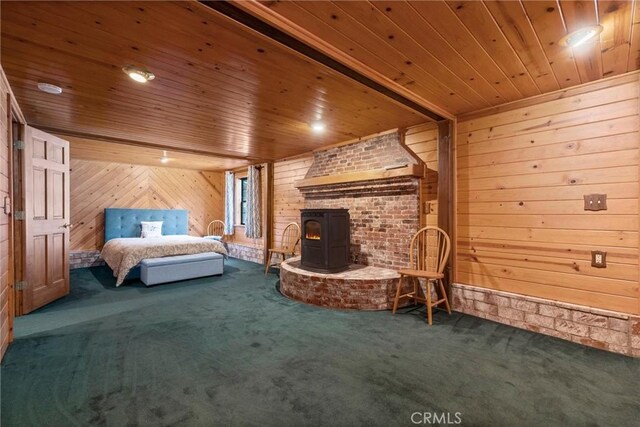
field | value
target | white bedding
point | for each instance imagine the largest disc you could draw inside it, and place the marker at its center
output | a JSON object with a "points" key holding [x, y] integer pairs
{"points": [[123, 254]]}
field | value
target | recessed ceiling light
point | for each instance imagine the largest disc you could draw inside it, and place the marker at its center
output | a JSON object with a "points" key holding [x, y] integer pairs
{"points": [[49, 88], [164, 158], [580, 36], [318, 127], [138, 74]]}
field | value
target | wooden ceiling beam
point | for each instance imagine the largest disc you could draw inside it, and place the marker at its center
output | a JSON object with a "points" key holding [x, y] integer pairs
{"points": [[110, 152], [102, 138], [263, 20]]}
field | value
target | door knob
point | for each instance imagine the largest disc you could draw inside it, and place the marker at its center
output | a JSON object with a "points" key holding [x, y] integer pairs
{"points": [[69, 226]]}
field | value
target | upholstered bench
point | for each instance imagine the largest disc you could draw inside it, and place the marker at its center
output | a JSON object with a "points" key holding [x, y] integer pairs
{"points": [[154, 271]]}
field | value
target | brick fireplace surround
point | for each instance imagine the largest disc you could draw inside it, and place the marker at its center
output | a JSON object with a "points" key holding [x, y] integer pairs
{"points": [[384, 217], [384, 213]]}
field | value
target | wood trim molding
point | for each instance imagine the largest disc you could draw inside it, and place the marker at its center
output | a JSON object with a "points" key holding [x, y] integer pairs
{"points": [[269, 210], [552, 96], [638, 82], [296, 157], [11, 271], [446, 194], [417, 171], [65, 132], [393, 90], [17, 112], [453, 208]]}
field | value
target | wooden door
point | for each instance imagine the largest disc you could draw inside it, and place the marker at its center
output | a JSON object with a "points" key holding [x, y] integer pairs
{"points": [[46, 203]]}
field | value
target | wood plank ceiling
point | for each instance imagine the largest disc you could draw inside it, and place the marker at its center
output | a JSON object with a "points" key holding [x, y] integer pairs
{"points": [[220, 88], [469, 55], [223, 89]]}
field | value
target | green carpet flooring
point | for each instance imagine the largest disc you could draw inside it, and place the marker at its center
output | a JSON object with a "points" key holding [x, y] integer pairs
{"points": [[231, 350]]}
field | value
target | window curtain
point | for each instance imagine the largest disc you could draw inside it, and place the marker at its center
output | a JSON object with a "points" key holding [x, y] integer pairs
{"points": [[253, 226], [229, 197]]}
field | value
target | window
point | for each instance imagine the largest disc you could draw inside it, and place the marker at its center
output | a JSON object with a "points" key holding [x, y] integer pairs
{"points": [[243, 201]]}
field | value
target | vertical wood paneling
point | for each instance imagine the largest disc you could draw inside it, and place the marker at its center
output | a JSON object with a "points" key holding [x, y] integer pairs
{"points": [[99, 185], [522, 174]]}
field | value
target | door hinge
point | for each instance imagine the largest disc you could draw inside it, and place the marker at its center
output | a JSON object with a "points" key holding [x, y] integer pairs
{"points": [[19, 215], [19, 144], [21, 285]]}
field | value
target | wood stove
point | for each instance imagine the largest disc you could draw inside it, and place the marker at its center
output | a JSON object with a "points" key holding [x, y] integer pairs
{"points": [[325, 240]]}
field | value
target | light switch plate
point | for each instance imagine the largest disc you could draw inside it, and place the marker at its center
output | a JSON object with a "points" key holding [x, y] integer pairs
{"points": [[595, 202], [599, 259]]}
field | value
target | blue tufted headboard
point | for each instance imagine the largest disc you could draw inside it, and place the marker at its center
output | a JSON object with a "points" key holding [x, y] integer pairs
{"points": [[126, 222]]}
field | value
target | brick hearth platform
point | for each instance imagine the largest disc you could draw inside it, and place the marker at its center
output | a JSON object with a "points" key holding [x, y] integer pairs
{"points": [[361, 287]]}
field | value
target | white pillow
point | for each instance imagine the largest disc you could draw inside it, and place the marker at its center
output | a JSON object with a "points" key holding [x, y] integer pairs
{"points": [[151, 229]]}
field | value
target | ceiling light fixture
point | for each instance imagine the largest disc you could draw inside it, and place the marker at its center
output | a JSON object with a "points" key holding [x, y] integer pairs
{"points": [[580, 36], [164, 158], [139, 74], [49, 88], [318, 127]]}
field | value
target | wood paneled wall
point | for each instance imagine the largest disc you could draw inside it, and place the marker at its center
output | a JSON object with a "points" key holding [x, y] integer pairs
{"points": [[287, 200], [6, 246], [522, 172], [423, 141], [99, 185]]}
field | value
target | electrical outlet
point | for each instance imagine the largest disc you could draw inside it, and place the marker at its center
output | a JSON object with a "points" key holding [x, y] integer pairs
{"points": [[427, 207], [598, 259], [595, 202]]}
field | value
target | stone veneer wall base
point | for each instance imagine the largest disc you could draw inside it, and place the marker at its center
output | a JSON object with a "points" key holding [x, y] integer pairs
{"points": [[603, 329], [246, 253], [84, 259]]}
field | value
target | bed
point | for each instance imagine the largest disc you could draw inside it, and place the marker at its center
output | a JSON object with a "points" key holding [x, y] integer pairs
{"points": [[124, 250]]}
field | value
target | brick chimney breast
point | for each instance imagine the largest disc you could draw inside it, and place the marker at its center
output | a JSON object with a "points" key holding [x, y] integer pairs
{"points": [[375, 153], [385, 213]]}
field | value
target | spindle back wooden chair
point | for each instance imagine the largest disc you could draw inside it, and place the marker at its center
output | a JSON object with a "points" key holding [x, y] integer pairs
{"points": [[215, 228], [428, 254], [288, 242]]}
